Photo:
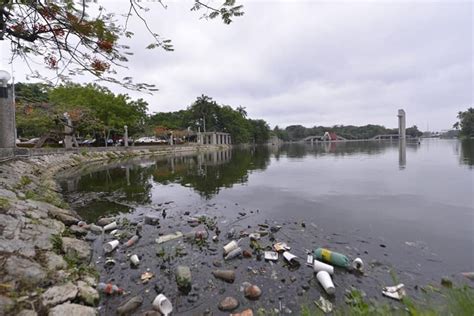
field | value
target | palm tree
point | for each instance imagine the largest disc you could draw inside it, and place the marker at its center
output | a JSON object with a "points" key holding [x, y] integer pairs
{"points": [[242, 111]]}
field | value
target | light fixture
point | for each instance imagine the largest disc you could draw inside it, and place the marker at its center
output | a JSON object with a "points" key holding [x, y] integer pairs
{"points": [[4, 78]]}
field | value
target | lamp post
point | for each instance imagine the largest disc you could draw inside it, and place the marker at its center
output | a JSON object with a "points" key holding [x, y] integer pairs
{"points": [[7, 113]]}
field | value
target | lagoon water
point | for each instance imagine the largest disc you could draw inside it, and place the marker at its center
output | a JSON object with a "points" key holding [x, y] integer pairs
{"points": [[410, 208]]}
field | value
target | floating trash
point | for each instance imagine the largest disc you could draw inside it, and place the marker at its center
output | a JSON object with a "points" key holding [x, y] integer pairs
{"points": [[109, 288], [109, 262], [325, 280], [111, 245], [321, 266], [230, 247], [234, 254], [291, 258], [146, 276], [135, 260], [358, 264], [332, 257], [281, 246], [270, 255], [324, 305], [110, 226], [162, 304], [396, 292], [169, 237], [131, 241], [255, 236]]}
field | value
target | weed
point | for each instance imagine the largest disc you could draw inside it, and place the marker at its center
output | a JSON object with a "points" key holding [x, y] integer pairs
{"points": [[57, 243], [4, 203]]}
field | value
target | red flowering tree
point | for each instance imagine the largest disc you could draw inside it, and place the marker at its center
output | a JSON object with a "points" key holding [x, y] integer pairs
{"points": [[72, 41]]}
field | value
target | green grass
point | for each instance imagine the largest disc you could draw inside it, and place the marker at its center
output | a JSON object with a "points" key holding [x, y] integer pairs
{"points": [[4, 203], [57, 243]]}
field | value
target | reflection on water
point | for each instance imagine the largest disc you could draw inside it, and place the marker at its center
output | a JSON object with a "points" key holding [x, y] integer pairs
{"points": [[122, 185]]}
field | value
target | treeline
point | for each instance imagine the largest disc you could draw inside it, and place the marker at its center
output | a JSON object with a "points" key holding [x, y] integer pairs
{"points": [[299, 132], [97, 112], [206, 115]]}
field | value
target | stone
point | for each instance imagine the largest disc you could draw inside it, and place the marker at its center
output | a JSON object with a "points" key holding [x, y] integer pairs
{"points": [[151, 313], [183, 277], [72, 309], [27, 312], [76, 247], [6, 304], [252, 292], [54, 262], [225, 275], [130, 306], [87, 294], [247, 312], [59, 294], [7, 194], [78, 231], [228, 304], [92, 281], [24, 270]]}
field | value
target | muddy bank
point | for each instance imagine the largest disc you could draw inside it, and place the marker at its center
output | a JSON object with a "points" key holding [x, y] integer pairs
{"points": [[44, 258]]}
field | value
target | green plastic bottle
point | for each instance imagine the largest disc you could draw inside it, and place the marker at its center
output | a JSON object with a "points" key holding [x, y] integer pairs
{"points": [[331, 257]]}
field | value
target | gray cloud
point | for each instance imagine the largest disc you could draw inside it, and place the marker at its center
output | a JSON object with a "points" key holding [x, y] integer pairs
{"points": [[313, 62]]}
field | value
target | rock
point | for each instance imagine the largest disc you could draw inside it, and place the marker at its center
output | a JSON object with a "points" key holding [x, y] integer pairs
{"points": [[54, 262], [151, 313], [87, 294], [446, 282], [105, 221], [183, 277], [225, 275], [27, 312], [247, 254], [217, 263], [76, 247], [78, 231], [152, 220], [7, 194], [252, 292], [24, 270], [6, 304], [59, 294], [247, 312], [92, 281], [130, 306], [72, 310], [228, 304]]}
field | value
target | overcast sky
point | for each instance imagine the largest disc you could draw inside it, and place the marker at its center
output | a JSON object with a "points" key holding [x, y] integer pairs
{"points": [[311, 62]]}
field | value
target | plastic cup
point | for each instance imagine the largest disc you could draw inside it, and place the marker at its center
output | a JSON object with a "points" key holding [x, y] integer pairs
{"points": [[291, 258], [325, 279], [162, 304], [110, 226], [358, 264], [134, 259], [321, 266], [230, 246], [111, 245]]}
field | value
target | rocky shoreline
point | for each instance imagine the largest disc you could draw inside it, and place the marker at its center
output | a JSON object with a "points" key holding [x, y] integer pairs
{"points": [[45, 265]]}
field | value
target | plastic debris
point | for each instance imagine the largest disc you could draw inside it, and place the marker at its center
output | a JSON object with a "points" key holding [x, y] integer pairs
{"points": [[109, 288], [332, 257], [110, 226], [321, 266], [281, 246], [291, 258], [183, 278], [130, 306], [135, 260], [234, 254], [325, 280], [230, 246], [255, 236], [324, 305], [169, 237], [131, 241], [396, 292], [109, 262], [111, 245], [270, 255], [162, 304], [358, 264], [115, 231], [246, 312], [309, 260], [146, 276]]}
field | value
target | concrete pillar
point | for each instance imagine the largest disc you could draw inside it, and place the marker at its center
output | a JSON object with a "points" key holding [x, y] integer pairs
{"points": [[214, 138], [171, 138], [67, 131], [401, 124], [7, 116], [125, 136], [402, 154]]}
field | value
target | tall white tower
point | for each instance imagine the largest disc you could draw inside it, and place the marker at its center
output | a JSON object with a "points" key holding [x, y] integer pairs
{"points": [[401, 124]]}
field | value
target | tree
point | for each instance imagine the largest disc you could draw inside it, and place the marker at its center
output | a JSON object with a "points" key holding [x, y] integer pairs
{"points": [[260, 131], [74, 39], [466, 123]]}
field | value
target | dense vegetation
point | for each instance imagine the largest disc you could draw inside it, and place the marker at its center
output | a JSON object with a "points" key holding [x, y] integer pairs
{"points": [[98, 113], [298, 132], [466, 123]]}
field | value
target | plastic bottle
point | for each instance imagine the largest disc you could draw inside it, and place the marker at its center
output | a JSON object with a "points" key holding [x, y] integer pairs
{"points": [[109, 288], [334, 258]]}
